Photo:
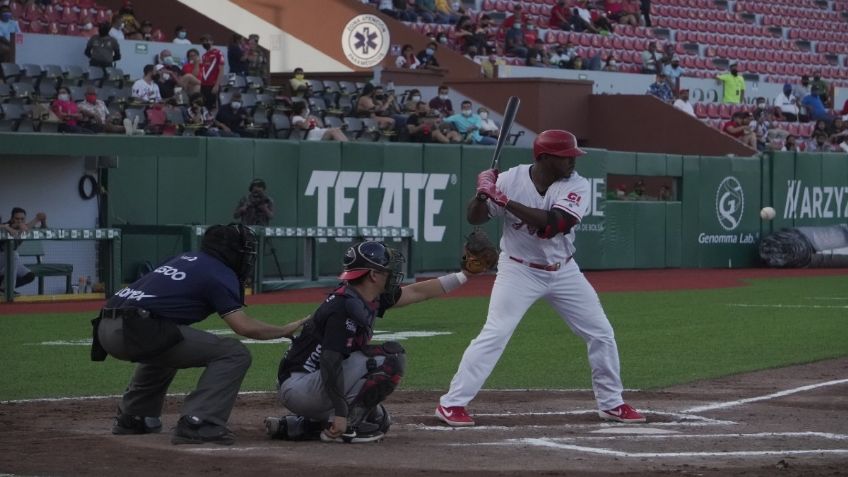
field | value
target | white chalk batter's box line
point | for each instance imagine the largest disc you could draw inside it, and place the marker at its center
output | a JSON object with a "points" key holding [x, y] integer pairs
{"points": [[563, 444]]}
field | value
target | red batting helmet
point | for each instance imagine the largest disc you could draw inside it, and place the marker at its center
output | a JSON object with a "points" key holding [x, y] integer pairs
{"points": [[556, 142]]}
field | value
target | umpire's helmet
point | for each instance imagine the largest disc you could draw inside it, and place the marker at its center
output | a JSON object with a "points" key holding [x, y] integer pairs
{"points": [[556, 142], [372, 255], [233, 244]]}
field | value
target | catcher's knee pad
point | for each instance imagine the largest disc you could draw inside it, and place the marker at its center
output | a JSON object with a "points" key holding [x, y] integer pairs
{"points": [[380, 417], [382, 379]]}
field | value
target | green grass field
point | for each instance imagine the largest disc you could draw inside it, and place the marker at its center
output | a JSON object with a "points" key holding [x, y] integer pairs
{"points": [[664, 338]]}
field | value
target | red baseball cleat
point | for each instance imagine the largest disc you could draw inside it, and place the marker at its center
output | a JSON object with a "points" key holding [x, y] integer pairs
{"points": [[623, 413], [455, 416]]}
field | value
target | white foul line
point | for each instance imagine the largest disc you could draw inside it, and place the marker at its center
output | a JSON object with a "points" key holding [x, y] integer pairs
{"points": [[778, 305], [722, 405], [599, 450]]}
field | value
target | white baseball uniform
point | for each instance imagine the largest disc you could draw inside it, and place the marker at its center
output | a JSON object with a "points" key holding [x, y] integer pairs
{"points": [[521, 280]]}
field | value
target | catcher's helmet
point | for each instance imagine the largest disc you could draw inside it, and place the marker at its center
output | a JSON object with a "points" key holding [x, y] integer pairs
{"points": [[371, 255], [233, 244], [556, 142]]}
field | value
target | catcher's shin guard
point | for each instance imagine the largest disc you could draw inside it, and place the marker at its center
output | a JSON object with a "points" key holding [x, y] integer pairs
{"points": [[380, 381]]}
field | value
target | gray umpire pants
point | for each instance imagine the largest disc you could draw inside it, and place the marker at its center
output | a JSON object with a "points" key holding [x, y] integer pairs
{"points": [[303, 393], [226, 361]]}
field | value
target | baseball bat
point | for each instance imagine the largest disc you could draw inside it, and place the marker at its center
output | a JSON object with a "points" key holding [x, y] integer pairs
{"points": [[508, 119]]}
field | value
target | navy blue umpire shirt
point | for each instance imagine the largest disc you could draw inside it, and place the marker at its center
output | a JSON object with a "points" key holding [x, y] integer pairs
{"points": [[185, 289]]}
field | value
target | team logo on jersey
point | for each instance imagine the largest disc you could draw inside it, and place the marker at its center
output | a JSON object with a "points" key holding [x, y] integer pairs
{"points": [[573, 198], [365, 40], [730, 203]]}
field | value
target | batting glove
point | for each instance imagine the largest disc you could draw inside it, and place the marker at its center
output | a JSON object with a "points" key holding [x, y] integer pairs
{"points": [[491, 191]]}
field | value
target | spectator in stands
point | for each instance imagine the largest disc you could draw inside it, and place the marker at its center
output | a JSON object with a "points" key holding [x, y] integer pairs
{"points": [[638, 192], [739, 128], [651, 59], [537, 56], [102, 50], [468, 124], [68, 113], [398, 9], [838, 129], [258, 63], [427, 56], [146, 89], [117, 28], [185, 80], [462, 35], [369, 105], [610, 63], [514, 44], [96, 116], [211, 66], [446, 10], [488, 126], [822, 86], [844, 111], [413, 97], [407, 59], [130, 23], [820, 126], [802, 90], [309, 125], [789, 144], [660, 89], [489, 64], [562, 55], [815, 108], [531, 34], [560, 16], [471, 53], [442, 103], [16, 225], [425, 127], [237, 55], [146, 30], [181, 36], [645, 7], [819, 143], [581, 18], [199, 117], [192, 65], [298, 83], [734, 86], [576, 63], [673, 71], [166, 81], [615, 11], [682, 103], [234, 115], [442, 39], [426, 10], [483, 37], [665, 193], [516, 17], [788, 103], [7, 27]]}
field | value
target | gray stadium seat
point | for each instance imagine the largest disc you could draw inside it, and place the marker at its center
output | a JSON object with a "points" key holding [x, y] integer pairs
{"points": [[354, 127], [10, 72], [11, 117], [281, 125]]}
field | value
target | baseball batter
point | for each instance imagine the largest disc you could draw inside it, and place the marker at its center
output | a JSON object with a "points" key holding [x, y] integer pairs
{"points": [[540, 204]]}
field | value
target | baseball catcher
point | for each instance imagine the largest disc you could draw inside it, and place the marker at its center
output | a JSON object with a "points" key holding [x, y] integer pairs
{"points": [[332, 378]]}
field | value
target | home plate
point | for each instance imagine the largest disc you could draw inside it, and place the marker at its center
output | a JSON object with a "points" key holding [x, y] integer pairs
{"points": [[633, 430]]}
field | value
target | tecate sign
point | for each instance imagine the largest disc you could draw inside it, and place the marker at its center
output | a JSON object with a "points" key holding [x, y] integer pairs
{"points": [[349, 191]]}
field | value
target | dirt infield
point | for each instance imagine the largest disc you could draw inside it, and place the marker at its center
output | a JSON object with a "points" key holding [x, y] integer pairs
{"points": [[779, 430]]}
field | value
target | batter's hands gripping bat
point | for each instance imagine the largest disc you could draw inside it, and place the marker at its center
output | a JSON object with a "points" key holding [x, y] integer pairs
{"points": [[509, 118]]}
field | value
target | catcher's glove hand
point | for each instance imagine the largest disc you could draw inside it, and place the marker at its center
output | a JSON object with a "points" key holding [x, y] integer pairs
{"points": [[480, 253]]}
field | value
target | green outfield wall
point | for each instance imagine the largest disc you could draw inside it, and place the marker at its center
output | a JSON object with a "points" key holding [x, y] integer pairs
{"points": [[713, 220]]}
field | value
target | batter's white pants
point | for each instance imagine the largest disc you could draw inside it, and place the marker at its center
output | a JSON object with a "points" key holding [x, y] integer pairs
{"points": [[516, 288]]}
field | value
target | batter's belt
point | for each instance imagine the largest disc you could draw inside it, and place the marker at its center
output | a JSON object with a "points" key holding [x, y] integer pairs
{"points": [[551, 267]]}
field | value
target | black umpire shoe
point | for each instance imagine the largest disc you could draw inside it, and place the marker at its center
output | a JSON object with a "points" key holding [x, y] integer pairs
{"points": [[124, 424], [193, 430]]}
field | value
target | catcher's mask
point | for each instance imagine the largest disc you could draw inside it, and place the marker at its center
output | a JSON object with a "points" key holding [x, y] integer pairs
{"points": [[233, 244], [366, 256]]}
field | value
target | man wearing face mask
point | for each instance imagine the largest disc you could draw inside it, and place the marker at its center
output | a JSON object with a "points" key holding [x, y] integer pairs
{"points": [[95, 114], [181, 36], [822, 86], [468, 124], [7, 27], [787, 102], [734, 86], [102, 50], [211, 66], [488, 126], [560, 16], [234, 115], [166, 80], [442, 103], [427, 56], [514, 43]]}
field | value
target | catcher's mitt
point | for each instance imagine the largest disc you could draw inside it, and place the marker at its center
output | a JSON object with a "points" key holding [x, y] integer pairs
{"points": [[480, 253]]}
